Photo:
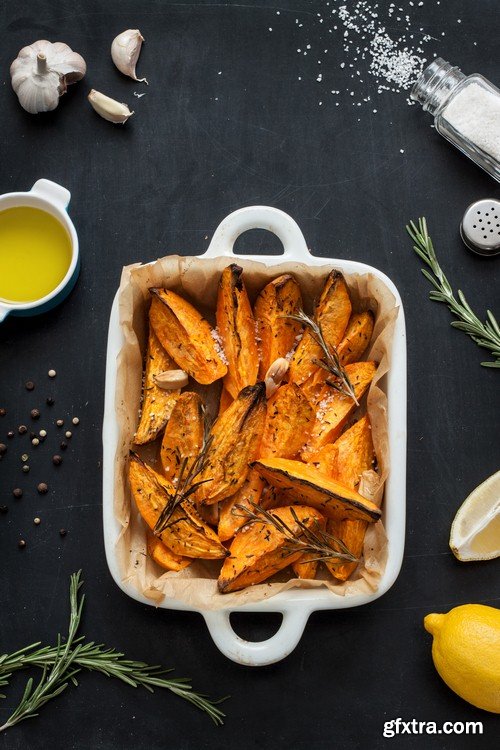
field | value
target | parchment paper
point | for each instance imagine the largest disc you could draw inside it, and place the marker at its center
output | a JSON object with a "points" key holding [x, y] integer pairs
{"points": [[197, 280]]}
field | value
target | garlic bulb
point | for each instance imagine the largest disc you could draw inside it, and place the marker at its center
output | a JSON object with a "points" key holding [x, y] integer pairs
{"points": [[125, 50], [41, 73], [108, 108]]}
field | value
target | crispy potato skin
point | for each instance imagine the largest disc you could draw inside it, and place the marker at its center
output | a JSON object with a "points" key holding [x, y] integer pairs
{"points": [[236, 326], [332, 313], [157, 403], [231, 518], [354, 455], [304, 484], [235, 438], [289, 421], [277, 333], [186, 534], [259, 550], [186, 336], [333, 409], [164, 556], [183, 436]]}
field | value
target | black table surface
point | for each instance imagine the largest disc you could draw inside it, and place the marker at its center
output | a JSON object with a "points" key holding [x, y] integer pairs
{"points": [[226, 123]]}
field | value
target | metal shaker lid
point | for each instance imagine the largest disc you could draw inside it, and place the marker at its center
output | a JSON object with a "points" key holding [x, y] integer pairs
{"points": [[480, 227]]}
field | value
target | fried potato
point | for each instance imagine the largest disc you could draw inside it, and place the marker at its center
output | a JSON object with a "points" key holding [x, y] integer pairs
{"points": [[277, 333], [289, 421], [187, 336], [183, 436]]}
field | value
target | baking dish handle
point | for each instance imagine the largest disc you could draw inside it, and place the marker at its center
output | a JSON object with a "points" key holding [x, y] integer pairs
{"points": [[256, 653], [259, 217]]}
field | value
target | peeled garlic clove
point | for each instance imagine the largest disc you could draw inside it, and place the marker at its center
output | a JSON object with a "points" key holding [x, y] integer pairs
{"points": [[108, 108], [275, 374], [170, 380], [125, 50]]}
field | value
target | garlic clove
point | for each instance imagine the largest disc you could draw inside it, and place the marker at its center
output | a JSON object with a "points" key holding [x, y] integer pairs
{"points": [[108, 108], [125, 50], [41, 73], [275, 374], [170, 380]]}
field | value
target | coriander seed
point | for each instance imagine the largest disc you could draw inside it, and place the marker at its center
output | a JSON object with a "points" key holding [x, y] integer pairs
{"points": [[68, 434], [35, 441], [10, 434], [3, 449], [42, 488], [36, 521], [43, 433], [24, 458], [57, 460], [17, 492], [3, 412], [59, 422], [26, 469], [22, 429], [75, 420], [29, 385], [21, 544], [51, 373], [35, 414], [62, 532]]}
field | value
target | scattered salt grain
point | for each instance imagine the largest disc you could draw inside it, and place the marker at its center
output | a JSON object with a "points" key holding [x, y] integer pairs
{"points": [[218, 345]]}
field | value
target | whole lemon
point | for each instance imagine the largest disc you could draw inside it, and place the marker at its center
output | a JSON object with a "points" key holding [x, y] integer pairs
{"points": [[466, 652]]}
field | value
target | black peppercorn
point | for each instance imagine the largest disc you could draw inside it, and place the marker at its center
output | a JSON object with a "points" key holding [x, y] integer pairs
{"points": [[50, 401], [18, 493], [3, 412], [4, 509], [29, 385], [3, 449], [21, 544], [62, 532], [42, 488], [63, 445], [57, 460], [22, 429], [35, 414], [10, 434]]}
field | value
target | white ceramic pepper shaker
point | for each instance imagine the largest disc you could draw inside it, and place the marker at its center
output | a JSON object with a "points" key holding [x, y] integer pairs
{"points": [[466, 111]]}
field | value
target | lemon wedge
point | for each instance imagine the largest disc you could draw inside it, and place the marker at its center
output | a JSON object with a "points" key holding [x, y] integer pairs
{"points": [[475, 531]]}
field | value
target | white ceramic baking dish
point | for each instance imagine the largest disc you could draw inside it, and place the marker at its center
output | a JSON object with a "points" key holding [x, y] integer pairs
{"points": [[294, 605]]}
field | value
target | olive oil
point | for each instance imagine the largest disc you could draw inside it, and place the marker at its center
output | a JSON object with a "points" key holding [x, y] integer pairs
{"points": [[35, 253]]}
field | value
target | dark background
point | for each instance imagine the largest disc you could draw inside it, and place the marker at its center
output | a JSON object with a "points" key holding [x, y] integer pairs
{"points": [[161, 184]]}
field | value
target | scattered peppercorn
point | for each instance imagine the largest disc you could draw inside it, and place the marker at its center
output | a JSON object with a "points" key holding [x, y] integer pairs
{"points": [[35, 414], [75, 420], [42, 488], [57, 460], [50, 401], [63, 445], [18, 493], [43, 433], [21, 544], [51, 373], [26, 468], [3, 412], [3, 449], [22, 429], [24, 458], [59, 422], [68, 434], [4, 509], [35, 441], [36, 521], [29, 385], [62, 532], [10, 434]]}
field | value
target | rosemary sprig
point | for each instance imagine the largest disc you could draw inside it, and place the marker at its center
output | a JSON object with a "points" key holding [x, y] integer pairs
{"points": [[60, 665], [331, 360], [486, 335], [186, 484], [315, 540]]}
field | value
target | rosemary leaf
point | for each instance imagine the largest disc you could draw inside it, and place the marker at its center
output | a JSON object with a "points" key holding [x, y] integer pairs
{"points": [[486, 335]]}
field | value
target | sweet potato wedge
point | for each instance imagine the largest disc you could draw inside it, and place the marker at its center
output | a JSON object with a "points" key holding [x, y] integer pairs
{"points": [[230, 517], [305, 567], [185, 534], [304, 484], [259, 550], [225, 400], [354, 455], [157, 403], [183, 436], [277, 334], [164, 556], [289, 421], [332, 313], [187, 336], [334, 408], [236, 326], [234, 441]]}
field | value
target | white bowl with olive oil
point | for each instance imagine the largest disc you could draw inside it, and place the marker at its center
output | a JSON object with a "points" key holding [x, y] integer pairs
{"points": [[39, 255]]}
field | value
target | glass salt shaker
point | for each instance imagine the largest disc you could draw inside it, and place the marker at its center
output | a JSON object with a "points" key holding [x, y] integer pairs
{"points": [[466, 111]]}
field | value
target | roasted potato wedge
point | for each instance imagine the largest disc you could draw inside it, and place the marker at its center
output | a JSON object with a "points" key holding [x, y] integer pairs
{"points": [[157, 403], [334, 408], [354, 455], [289, 421], [230, 517], [164, 556], [234, 441], [187, 336], [259, 550], [183, 436], [277, 333], [185, 534], [236, 326], [332, 313], [304, 484]]}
